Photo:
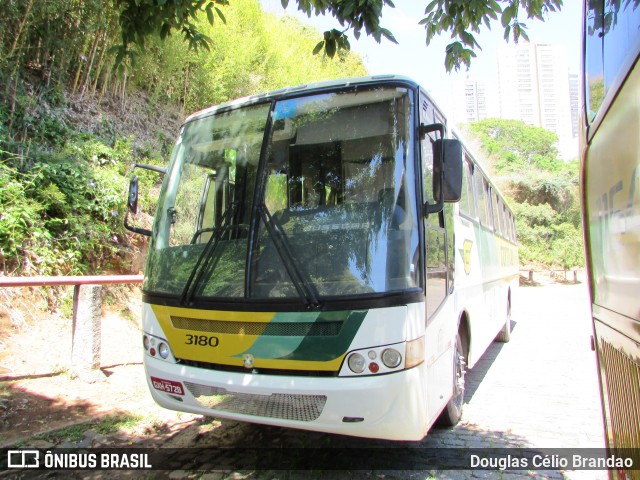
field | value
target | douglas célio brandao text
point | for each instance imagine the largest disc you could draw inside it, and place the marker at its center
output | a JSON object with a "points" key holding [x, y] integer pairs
{"points": [[569, 461]]}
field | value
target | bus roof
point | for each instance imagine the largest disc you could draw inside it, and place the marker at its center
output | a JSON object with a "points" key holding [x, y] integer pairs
{"points": [[300, 89]]}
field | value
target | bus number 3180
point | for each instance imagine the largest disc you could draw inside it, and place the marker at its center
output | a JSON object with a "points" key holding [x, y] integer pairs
{"points": [[202, 341]]}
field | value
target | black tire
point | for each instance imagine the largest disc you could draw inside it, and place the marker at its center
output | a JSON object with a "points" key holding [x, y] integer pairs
{"points": [[452, 413], [504, 335]]}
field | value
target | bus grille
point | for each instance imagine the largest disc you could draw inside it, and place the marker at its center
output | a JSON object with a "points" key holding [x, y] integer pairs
{"points": [[279, 329], [304, 408], [622, 377]]}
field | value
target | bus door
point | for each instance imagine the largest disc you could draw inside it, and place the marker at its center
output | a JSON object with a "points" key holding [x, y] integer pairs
{"points": [[441, 324]]}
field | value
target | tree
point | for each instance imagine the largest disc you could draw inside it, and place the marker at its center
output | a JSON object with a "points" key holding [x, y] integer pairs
{"points": [[462, 19], [517, 145]]}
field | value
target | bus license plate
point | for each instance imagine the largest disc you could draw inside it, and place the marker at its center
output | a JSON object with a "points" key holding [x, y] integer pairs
{"points": [[168, 386]]}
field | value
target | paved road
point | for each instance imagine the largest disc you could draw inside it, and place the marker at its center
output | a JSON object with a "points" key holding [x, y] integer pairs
{"points": [[539, 391]]}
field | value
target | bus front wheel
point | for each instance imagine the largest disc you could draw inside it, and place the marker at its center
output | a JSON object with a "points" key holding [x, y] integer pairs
{"points": [[453, 411]]}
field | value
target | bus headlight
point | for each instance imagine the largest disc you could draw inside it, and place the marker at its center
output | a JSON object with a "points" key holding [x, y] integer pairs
{"points": [[157, 347], [383, 359], [163, 350], [391, 357], [356, 363]]}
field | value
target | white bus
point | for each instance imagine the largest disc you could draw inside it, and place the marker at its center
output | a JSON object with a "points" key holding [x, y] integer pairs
{"points": [[325, 257]]}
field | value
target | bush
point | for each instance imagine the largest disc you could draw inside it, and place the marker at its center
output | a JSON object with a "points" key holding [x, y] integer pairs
{"points": [[64, 215]]}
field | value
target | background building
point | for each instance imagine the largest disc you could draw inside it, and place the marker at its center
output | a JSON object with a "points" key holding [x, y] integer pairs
{"points": [[533, 85]]}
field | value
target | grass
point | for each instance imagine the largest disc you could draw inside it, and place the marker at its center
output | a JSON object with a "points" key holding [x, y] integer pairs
{"points": [[103, 426]]}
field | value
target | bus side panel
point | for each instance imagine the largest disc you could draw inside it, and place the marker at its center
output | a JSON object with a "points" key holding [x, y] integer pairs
{"points": [[439, 347], [613, 203], [619, 362], [611, 182], [486, 273]]}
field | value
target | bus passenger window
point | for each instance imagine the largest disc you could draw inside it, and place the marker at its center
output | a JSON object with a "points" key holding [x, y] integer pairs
{"points": [[594, 84], [481, 201], [466, 199], [620, 34]]}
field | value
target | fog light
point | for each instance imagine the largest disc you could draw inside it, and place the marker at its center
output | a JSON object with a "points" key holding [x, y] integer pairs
{"points": [[391, 358], [356, 363], [145, 342], [163, 350]]}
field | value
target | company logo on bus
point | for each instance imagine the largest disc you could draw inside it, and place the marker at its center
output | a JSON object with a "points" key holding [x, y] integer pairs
{"points": [[168, 386], [248, 360], [466, 255]]}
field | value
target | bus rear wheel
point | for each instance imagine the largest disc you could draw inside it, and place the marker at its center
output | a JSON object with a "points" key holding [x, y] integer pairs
{"points": [[504, 335], [452, 413]]}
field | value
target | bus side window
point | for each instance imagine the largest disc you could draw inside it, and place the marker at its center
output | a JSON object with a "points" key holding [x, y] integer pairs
{"points": [[620, 34], [497, 214], [467, 206], [594, 67], [505, 221], [481, 202]]}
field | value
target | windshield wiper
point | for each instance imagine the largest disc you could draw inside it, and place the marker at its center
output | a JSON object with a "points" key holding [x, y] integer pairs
{"points": [[204, 260], [284, 250]]}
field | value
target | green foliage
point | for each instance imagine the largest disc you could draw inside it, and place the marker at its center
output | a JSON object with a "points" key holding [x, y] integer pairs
{"points": [[63, 183], [463, 19], [546, 239], [254, 52], [516, 145], [62, 212], [139, 19]]}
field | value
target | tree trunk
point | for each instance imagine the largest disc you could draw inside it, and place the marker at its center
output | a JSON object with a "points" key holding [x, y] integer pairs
{"points": [[100, 65], [87, 74], [20, 28]]}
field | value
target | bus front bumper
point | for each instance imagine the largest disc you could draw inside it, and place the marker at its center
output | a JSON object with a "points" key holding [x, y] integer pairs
{"points": [[390, 406]]}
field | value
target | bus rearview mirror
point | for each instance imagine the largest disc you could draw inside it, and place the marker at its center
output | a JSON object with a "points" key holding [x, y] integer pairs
{"points": [[447, 173], [451, 169], [132, 198], [132, 203]]}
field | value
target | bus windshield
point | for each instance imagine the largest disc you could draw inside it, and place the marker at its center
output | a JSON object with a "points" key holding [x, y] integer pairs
{"points": [[304, 198]]}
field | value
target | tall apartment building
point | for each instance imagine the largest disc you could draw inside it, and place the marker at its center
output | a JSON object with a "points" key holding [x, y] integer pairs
{"points": [[475, 100], [574, 96], [533, 85]]}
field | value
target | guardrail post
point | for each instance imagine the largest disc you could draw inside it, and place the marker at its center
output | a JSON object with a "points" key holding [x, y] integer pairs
{"points": [[85, 343]]}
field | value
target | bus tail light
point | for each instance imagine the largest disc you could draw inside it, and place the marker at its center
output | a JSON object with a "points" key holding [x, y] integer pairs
{"points": [[414, 353]]}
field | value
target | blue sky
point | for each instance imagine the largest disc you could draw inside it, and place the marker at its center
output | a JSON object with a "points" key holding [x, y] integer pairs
{"points": [[424, 64]]}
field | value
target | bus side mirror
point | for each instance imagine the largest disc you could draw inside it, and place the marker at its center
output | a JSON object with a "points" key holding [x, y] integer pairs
{"points": [[132, 199], [132, 204], [447, 173]]}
